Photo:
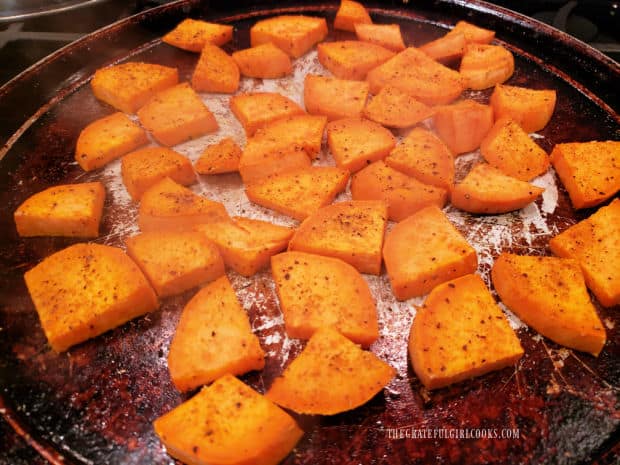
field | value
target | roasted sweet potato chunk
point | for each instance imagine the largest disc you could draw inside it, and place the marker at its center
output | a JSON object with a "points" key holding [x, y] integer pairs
{"points": [[295, 34], [463, 125], [193, 35], [435, 253], [299, 193], [334, 98], [352, 59], [484, 66], [228, 423], [460, 333], [317, 292], [216, 71], [108, 138], [72, 210], [446, 48], [594, 243], [531, 109], [222, 157], [473, 34], [352, 231], [386, 35], [85, 290], [331, 375], [211, 321], [128, 86], [263, 61], [590, 171], [349, 14], [395, 108], [256, 109], [549, 294]]}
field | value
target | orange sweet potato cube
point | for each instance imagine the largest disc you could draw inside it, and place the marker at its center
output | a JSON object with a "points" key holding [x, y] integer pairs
{"points": [[446, 48], [216, 71], [222, 157], [356, 142], [176, 115], [436, 253], [463, 125], [531, 109], [484, 66], [334, 98], [590, 171], [106, 139], [128, 86], [349, 14], [211, 321], [295, 34], [352, 59], [352, 231], [228, 423], [72, 210], [460, 318], [473, 34], [168, 206], [386, 35], [299, 193], [193, 35], [256, 109], [263, 61], [145, 167], [395, 108], [593, 242], [260, 160], [85, 290]]}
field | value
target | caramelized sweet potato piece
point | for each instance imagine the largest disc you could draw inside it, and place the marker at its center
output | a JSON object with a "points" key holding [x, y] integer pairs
{"points": [[487, 190], [228, 423], [216, 71], [222, 157], [395, 108], [128, 86], [356, 142], [317, 292], [107, 138], [473, 34], [435, 253], [145, 167], [263, 61], [295, 34], [352, 59], [386, 35], [463, 125], [193, 35], [593, 242], [460, 333], [484, 66], [211, 321], [590, 171], [85, 290], [334, 98], [256, 109], [531, 109], [446, 48], [404, 195], [299, 193], [550, 295], [349, 14], [331, 375], [72, 210], [352, 231]]}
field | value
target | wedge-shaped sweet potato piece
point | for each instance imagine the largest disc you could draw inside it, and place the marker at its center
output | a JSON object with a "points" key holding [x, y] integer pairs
{"points": [[246, 245], [352, 59], [334, 98], [145, 167], [228, 423], [446, 48], [352, 231], [473, 34], [404, 195], [213, 338], [549, 294], [175, 261], [460, 333], [256, 109], [331, 375], [256, 164], [395, 108], [299, 193], [424, 251], [356, 142], [424, 156], [349, 14], [531, 109], [416, 73], [463, 125], [216, 71], [484, 66], [295, 34], [593, 242], [510, 149], [193, 35], [263, 61], [386, 35], [317, 292], [590, 171], [222, 157], [128, 86], [85, 290], [108, 138], [168, 206], [72, 210], [487, 190], [176, 115]]}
